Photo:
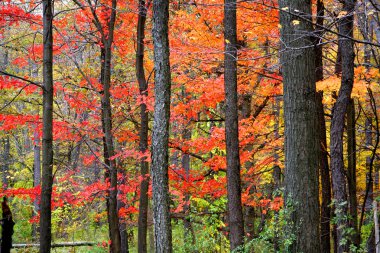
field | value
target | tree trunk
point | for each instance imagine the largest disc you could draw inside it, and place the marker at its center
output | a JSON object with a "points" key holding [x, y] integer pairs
{"points": [[47, 132], [189, 232], [301, 145], [112, 211], [337, 123], [235, 212], [6, 157], [351, 172], [143, 145], [369, 183], [160, 136], [323, 170]]}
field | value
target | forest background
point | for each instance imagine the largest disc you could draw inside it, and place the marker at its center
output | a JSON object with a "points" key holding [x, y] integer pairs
{"points": [[100, 57]]}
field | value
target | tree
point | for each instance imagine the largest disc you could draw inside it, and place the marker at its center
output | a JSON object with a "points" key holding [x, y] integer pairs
{"points": [[143, 145], [301, 146], [108, 140], [160, 135], [235, 212], [47, 132], [337, 123], [324, 169]]}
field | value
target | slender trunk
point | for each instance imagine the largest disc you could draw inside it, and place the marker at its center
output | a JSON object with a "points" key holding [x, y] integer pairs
{"points": [[189, 232], [369, 183], [143, 145], [235, 212], [351, 172], [112, 213], [36, 177], [324, 172], [160, 136], [337, 124], [47, 132], [301, 146], [6, 157], [122, 224], [277, 179]]}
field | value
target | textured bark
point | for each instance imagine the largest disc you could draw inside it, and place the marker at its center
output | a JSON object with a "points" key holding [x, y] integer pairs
{"points": [[323, 154], [47, 130], [301, 146], [351, 172], [113, 218], [143, 145], [323, 169], [160, 136], [235, 212], [108, 142], [337, 124]]}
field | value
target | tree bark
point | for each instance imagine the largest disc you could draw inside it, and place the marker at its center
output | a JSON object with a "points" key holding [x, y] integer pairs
{"points": [[160, 136], [47, 131], [235, 212], [324, 171], [143, 145], [337, 124], [112, 211], [301, 145], [351, 172]]}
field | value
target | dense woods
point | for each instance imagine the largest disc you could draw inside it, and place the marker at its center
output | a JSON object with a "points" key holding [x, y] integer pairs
{"points": [[190, 126]]}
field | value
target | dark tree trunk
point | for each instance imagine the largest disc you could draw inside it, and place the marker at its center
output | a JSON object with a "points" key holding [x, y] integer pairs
{"points": [[47, 131], [323, 169], [111, 175], [301, 145], [351, 172], [276, 174], [369, 183], [189, 232], [113, 218], [337, 123], [7, 225], [6, 157], [371, 247], [122, 224], [143, 145], [235, 212], [160, 136]]}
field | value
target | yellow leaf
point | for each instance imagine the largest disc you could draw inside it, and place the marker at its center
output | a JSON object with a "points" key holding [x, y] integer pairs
{"points": [[228, 42], [296, 22]]}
